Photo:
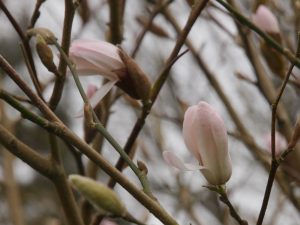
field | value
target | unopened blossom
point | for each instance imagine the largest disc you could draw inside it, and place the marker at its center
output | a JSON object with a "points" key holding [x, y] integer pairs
{"points": [[94, 57], [265, 20], [205, 136], [280, 143], [99, 195]]}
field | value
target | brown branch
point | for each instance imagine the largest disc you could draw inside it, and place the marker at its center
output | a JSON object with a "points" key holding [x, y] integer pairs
{"points": [[36, 13], [158, 8], [116, 20], [65, 44], [275, 162], [62, 131], [233, 212], [38, 102], [197, 9], [66, 197], [245, 136], [24, 152], [12, 190]]}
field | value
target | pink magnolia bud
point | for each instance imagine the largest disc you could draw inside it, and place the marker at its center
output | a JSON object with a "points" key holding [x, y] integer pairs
{"points": [[280, 143], [205, 136], [102, 58], [265, 20], [96, 58]]}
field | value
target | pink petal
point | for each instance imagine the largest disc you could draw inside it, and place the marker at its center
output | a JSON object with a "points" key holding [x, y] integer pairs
{"points": [[206, 137], [265, 20], [87, 66], [101, 59], [98, 46], [96, 58], [101, 92], [98, 96], [91, 90], [173, 160]]}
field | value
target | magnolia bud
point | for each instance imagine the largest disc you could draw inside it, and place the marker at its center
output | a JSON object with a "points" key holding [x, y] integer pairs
{"points": [[48, 36], [99, 195], [135, 82], [45, 54], [205, 136], [267, 22]]}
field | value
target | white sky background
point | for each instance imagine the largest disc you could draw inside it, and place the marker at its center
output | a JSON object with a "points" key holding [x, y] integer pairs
{"points": [[223, 57]]}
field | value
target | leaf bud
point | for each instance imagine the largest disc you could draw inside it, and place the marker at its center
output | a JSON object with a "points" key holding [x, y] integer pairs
{"points": [[99, 195], [48, 36], [45, 54]]}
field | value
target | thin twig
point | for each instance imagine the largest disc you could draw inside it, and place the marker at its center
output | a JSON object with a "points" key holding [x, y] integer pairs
{"points": [[27, 50], [233, 212], [196, 11], [36, 100], [62, 131], [36, 13], [158, 8], [65, 44], [138, 126], [275, 162], [270, 41], [99, 127], [221, 190]]}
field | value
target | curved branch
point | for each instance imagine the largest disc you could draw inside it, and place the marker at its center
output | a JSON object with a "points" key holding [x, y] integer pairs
{"points": [[24, 152]]}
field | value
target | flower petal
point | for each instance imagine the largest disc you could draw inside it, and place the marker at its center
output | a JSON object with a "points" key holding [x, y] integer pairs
{"points": [[172, 159], [265, 20], [102, 52], [97, 97], [88, 66], [205, 136], [99, 46]]}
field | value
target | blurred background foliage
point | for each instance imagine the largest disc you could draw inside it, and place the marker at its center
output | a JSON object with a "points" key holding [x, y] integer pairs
{"points": [[217, 41]]}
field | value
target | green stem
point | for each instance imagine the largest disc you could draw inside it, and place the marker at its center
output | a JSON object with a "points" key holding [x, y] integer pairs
{"points": [[99, 127], [224, 198], [60, 130], [197, 9]]}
